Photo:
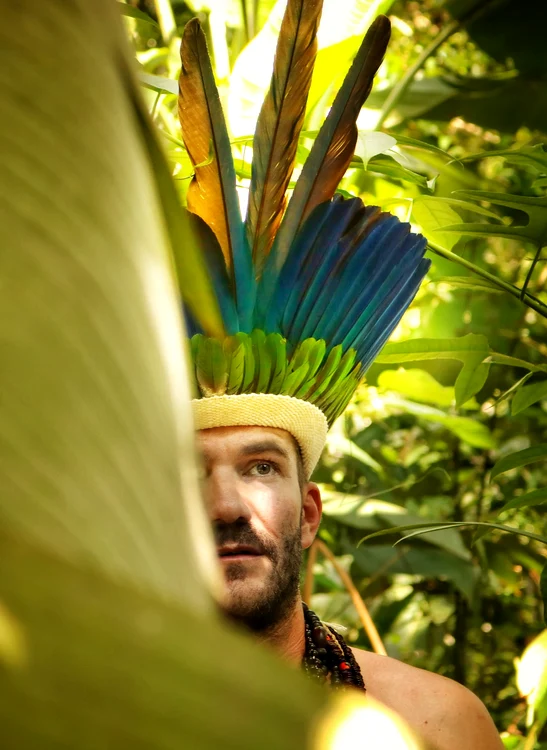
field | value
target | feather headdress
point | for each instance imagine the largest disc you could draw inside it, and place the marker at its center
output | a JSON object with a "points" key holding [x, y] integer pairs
{"points": [[309, 290]]}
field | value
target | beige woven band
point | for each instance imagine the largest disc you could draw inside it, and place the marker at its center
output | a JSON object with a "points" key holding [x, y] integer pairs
{"points": [[304, 421]]}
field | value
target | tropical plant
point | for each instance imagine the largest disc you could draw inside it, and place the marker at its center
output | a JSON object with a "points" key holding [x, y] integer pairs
{"points": [[108, 629], [450, 427]]}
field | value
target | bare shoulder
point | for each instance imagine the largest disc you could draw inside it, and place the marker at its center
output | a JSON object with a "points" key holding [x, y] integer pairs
{"points": [[446, 714]]}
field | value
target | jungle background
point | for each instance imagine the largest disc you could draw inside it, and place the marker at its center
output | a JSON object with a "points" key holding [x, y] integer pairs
{"points": [[450, 426]]}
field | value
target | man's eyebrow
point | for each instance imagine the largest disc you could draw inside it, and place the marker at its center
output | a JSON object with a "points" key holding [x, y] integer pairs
{"points": [[264, 446]]}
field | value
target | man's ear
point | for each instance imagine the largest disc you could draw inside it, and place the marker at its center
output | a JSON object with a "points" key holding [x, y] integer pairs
{"points": [[312, 507]]}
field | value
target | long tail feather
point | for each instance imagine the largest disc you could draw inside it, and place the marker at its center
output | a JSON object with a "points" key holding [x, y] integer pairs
{"points": [[212, 192], [279, 124], [334, 146]]}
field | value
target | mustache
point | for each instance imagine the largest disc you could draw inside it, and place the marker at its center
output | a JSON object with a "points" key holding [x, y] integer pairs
{"points": [[243, 534]]}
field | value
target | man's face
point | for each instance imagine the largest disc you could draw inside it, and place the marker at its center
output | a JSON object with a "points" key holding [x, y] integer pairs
{"points": [[262, 518]]}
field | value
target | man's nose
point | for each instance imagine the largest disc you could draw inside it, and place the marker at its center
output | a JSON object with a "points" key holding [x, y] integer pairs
{"points": [[225, 501]]}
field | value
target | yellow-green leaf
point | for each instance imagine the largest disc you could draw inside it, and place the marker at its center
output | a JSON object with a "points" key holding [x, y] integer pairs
{"points": [[518, 459], [528, 395]]}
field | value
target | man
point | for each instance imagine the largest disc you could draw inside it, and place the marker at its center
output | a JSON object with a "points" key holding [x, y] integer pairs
{"points": [[264, 514], [308, 292]]}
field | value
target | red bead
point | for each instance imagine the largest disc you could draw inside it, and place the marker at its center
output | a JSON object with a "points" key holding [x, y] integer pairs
{"points": [[344, 666]]}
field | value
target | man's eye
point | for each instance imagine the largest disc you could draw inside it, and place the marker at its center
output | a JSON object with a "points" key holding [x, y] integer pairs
{"points": [[262, 469]]}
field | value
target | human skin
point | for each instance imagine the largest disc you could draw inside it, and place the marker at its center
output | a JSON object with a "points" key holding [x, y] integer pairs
{"points": [[252, 488]]}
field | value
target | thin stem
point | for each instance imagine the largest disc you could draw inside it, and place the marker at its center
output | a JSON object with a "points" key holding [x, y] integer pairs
{"points": [[530, 272], [359, 604], [155, 105], [528, 299], [401, 86], [307, 589]]}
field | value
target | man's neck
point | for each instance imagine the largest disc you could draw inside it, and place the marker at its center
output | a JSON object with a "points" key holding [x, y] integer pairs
{"points": [[287, 638]]}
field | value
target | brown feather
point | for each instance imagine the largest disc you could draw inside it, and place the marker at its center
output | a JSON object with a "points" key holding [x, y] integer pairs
{"points": [[344, 139], [279, 124], [212, 192]]}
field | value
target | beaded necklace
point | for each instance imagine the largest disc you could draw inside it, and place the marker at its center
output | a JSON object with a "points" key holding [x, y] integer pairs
{"points": [[327, 657]]}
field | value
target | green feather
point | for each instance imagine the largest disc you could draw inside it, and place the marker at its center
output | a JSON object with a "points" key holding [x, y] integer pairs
{"points": [[294, 380], [263, 360], [211, 367], [342, 371], [278, 349], [344, 396], [326, 372], [249, 372], [314, 353], [305, 387], [301, 354], [195, 343], [316, 356], [235, 357]]}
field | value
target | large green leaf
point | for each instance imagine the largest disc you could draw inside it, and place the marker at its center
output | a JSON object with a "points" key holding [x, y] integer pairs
{"points": [[108, 636], [528, 500], [135, 13], [420, 96], [518, 459], [432, 214], [418, 385], [364, 513], [543, 591], [413, 560], [96, 664], [534, 230], [93, 378], [372, 143], [471, 350], [161, 84], [386, 165], [525, 156], [468, 430]]}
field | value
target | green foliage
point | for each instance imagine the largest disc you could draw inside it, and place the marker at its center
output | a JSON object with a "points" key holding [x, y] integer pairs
{"points": [[74, 645], [131, 12], [109, 635], [520, 458], [527, 395], [471, 350], [461, 391]]}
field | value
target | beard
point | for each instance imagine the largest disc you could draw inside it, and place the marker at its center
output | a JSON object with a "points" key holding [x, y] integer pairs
{"points": [[261, 606]]}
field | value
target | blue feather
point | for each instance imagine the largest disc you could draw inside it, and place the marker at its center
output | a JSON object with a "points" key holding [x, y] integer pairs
{"points": [[309, 264], [317, 269], [388, 295], [275, 288], [387, 316], [350, 273], [214, 261], [356, 275]]}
